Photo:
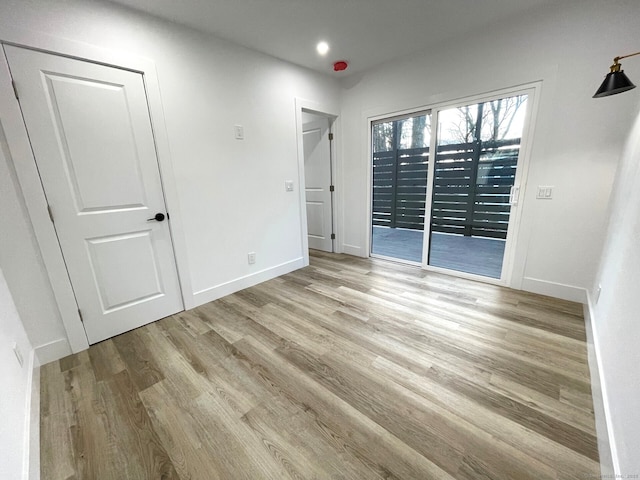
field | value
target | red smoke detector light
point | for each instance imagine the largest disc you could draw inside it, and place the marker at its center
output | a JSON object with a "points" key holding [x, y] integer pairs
{"points": [[340, 66]]}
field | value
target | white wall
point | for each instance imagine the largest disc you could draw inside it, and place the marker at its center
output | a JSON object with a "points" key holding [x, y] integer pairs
{"points": [[616, 316], [20, 259], [577, 139], [231, 193], [16, 390]]}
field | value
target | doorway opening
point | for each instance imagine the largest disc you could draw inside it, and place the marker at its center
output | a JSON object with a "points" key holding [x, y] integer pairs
{"points": [[317, 139]]}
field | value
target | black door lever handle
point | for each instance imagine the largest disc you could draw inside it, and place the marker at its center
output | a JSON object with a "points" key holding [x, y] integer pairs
{"points": [[158, 217]]}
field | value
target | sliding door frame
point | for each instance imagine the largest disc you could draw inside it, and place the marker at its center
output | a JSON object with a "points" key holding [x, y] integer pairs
{"points": [[511, 273], [385, 119]]}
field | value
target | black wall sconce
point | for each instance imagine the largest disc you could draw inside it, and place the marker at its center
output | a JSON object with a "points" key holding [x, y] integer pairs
{"points": [[615, 81]]}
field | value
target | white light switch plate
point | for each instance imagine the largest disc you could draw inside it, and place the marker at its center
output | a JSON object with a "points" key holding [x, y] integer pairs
{"points": [[544, 192], [239, 132], [288, 185]]}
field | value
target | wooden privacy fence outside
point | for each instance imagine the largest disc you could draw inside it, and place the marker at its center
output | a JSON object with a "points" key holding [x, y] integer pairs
{"points": [[470, 190], [400, 188]]}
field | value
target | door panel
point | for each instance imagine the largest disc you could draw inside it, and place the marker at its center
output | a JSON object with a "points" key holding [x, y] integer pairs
{"points": [[134, 253], [96, 158], [317, 175], [475, 171], [315, 219], [91, 136], [400, 163]]}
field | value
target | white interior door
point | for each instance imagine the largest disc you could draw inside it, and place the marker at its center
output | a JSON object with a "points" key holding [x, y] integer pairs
{"points": [[317, 176], [91, 135]]}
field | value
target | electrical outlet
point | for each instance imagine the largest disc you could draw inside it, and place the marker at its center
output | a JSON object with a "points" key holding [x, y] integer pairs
{"points": [[251, 256], [18, 353]]}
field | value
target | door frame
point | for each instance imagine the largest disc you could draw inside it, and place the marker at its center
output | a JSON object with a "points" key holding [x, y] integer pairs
{"points": [[336, 210], [520, 181], [513, 266], [320, 122], [403, 116], [29, 179]]}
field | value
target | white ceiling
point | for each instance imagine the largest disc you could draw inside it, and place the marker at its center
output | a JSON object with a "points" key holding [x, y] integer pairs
{"points": [[363, 32]]}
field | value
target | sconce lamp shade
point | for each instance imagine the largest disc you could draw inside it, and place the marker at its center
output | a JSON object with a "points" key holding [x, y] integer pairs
{"points": [[614, 82]]}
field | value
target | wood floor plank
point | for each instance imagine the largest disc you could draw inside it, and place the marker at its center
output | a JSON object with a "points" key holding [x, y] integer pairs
{"points": [[93, 449], [57, 460], [141, 362], [186, 382], [567, 413], [350, 368], [507, 430], [428, 428], [242, 454], [180, 434], [364, 437], [136, 440], [472, 339], [306, 441], [560, 432], [106, 360], [232, 324]]}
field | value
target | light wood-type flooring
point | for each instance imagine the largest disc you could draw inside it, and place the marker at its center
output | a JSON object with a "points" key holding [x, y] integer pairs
{"points": [[347, 369]]}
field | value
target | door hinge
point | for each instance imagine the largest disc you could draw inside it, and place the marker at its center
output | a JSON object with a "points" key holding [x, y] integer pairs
{"points": [[332, 188], [333, 236], [81, 318], [330, 136], [50, 213], [15, 89]]}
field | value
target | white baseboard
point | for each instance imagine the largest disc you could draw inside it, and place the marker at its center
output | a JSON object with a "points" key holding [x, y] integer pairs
{"points": [[609, 464], [557, 290], [31, 456], [52, 351], [352, 250], [213, 293]]}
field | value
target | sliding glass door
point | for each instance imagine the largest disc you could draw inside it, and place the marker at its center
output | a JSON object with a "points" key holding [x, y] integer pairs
{"points": [[400, 164], [474, 189], [457, 185]]}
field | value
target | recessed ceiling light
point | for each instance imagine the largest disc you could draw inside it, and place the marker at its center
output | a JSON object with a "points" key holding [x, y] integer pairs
{"points": [[323, 48]]}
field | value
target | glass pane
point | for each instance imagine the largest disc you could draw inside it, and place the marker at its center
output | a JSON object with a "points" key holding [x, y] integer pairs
{"points": [[382, 137], [477, 154], [415, 132], [457, 125], [400, 164]]}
